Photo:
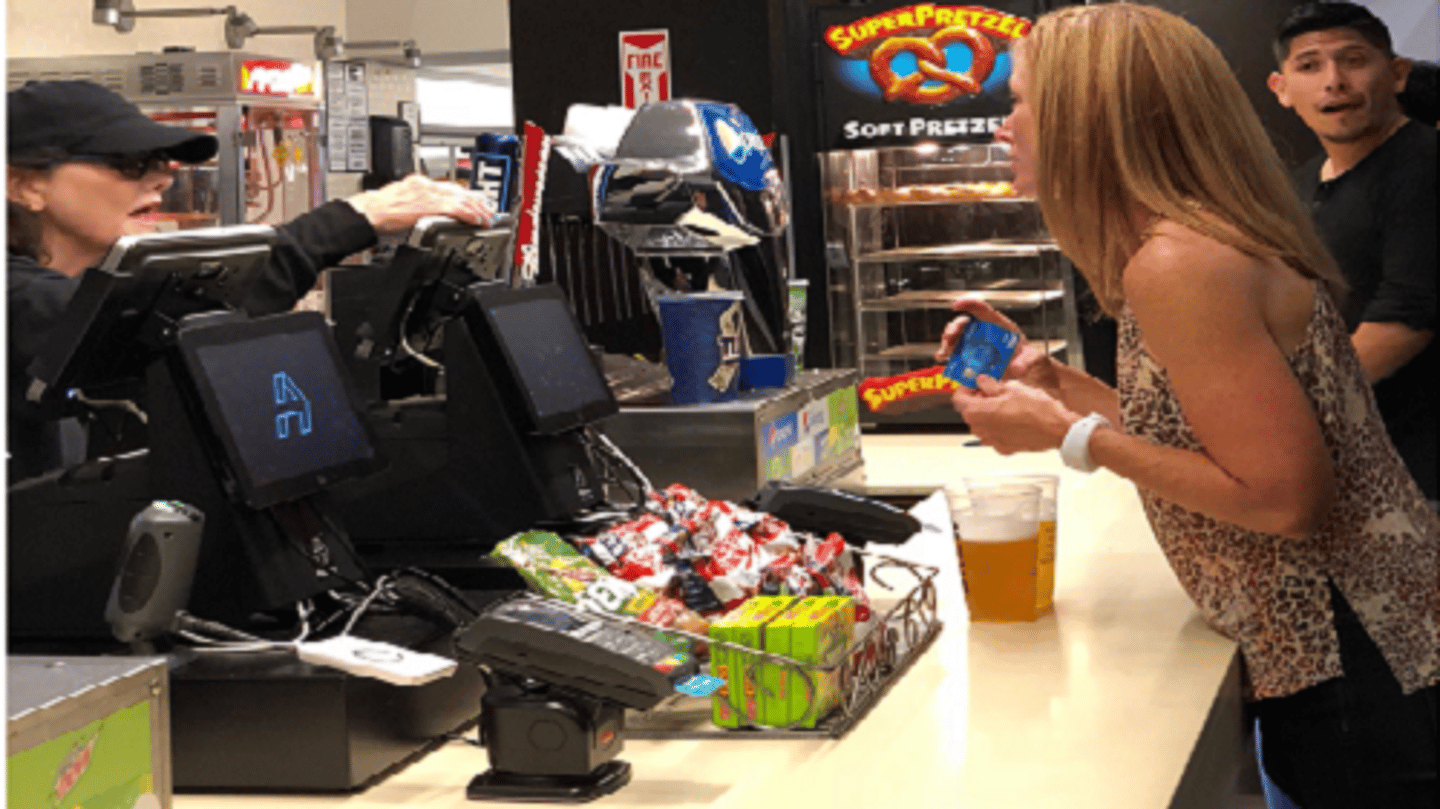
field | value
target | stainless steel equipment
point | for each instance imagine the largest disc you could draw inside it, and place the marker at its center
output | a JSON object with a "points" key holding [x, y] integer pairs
{"points": [[807, 432], [265, 111]]}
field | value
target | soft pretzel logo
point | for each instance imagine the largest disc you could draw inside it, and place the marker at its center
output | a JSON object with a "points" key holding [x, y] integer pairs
{"points": [[933, 66], [917, 20]]}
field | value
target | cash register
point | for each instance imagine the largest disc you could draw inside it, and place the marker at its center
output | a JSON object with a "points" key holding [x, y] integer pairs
{"points": [[481, 394], [156, 319], [251, 422]]}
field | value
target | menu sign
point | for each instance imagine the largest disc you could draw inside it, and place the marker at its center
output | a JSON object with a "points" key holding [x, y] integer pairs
{"points": [[915, 72]]}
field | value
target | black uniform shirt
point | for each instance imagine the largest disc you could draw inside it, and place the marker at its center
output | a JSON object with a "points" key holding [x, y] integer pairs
{"points": [[36, 296], [1378, 219]]}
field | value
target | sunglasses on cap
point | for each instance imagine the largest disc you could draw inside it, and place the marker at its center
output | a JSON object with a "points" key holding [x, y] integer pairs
{"points": [[130, 166]]}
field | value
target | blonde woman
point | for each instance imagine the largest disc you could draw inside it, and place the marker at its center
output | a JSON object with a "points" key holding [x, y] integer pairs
{"points": [[1241, 411]]}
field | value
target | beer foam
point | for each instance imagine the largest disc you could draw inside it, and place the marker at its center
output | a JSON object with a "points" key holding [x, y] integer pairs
{"points": [[983, 528]]}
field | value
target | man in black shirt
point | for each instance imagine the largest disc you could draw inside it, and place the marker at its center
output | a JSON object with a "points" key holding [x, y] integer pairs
{"points": [[1373, 197]]}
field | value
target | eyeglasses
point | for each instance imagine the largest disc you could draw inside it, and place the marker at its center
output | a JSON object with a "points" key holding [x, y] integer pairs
{"points": [[130, 166]]}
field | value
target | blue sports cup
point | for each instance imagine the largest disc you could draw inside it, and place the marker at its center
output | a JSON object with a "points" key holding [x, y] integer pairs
{"points": [[704, 333]]}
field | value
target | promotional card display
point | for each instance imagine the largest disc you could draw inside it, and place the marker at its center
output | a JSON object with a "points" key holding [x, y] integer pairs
{"points": [[914, 72]]}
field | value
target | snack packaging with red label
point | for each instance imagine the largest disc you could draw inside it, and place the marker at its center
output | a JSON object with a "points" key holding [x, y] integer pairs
{"points": [[685, 541], [677, 501]]}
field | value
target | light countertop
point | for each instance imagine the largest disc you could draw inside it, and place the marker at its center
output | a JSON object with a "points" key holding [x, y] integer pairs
{"points": [[1103, 703]]}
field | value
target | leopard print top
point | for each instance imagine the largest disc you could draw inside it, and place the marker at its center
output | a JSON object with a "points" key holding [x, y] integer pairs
{"points": [[1380, 544]]}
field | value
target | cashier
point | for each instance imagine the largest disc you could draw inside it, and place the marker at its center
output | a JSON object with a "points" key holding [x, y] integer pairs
{"points": [[86, 167]]}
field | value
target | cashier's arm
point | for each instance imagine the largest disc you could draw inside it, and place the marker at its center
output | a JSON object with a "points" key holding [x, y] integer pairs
{"points": [[1265, 465]]}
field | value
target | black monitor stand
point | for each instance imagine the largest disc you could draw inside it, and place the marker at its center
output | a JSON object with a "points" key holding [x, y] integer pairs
{"points": [[291, 550], [251, 560], [461, 477], [239, 722]]}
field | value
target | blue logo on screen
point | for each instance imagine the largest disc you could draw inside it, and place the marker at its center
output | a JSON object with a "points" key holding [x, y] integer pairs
{"points": [[295, 404]]}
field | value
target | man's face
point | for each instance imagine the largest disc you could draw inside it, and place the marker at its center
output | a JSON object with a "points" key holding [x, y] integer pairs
{"points": [[1340, 85]]}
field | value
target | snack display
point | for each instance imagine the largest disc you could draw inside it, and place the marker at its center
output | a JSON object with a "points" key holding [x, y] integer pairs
{"points": [[933, 192], [748, 585], [554, 568], [712, 555]]}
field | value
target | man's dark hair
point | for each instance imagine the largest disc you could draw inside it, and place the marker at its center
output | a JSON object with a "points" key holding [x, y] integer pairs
{"points": [[1325, 15]]}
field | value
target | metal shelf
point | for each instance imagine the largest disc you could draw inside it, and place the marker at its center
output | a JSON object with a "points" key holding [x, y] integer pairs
{"points": [[995, 248], [926, 351], [1007, 299], [896, 203], [884, 650]]}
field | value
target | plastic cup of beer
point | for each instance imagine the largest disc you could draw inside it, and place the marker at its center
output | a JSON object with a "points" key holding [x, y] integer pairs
{"points": [[1045, 544], [998, 528]]}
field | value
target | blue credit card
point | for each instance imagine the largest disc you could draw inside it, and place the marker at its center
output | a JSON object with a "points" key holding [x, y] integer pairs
{"points": [[984, 348]]}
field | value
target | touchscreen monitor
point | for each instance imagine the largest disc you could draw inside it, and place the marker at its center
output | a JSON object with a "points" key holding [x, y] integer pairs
{"points": [[125, 306], [274, 394], [540, 357]]}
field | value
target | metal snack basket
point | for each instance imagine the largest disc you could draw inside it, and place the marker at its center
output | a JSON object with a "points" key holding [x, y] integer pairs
{"points": [[884, 649]]}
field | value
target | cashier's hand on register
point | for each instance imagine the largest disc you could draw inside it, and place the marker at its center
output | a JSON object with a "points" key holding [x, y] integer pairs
{"points": [[398, 206], [1022, 412]]}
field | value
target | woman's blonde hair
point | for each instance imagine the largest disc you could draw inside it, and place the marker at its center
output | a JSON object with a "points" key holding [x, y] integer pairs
{"points": [[1134, 105]]}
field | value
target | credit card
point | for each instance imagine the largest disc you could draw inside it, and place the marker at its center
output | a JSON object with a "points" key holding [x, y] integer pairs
{"points": [[984, 348]]}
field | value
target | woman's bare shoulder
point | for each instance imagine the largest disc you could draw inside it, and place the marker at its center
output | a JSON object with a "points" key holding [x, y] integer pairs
{"points": [[1177, 262]]}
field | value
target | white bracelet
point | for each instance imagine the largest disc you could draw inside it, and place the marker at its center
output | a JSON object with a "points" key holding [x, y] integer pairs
{"points": [[1075, 449]]}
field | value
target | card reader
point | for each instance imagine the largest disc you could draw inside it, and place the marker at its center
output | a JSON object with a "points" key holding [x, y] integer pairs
{"points": [[820, 510], [574, 650], [558, 680]]}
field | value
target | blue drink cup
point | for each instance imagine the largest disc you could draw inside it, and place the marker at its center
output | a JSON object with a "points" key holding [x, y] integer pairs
{"points": [[703, 333]]}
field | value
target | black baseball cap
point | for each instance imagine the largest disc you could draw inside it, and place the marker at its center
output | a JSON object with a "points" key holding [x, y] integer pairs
{"points": [[83, 118]]}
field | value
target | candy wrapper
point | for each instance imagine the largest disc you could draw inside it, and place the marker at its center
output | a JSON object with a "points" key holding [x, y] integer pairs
{"points": [[832, 563], [551, 566], [686, 545]]}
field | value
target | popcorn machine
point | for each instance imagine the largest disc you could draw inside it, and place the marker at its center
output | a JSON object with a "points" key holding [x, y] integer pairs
{"points": [[266, 113]]}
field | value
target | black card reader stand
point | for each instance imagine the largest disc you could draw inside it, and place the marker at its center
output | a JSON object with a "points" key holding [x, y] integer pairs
{"points": [[558, 682], [546, 744]]}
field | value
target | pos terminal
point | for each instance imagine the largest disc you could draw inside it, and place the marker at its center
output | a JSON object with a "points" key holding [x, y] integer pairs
{"points": [[559, 679], [492, 439], [248, 422]]}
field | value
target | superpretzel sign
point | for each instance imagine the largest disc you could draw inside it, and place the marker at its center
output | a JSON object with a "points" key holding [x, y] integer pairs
{"points": [[914, 72]]}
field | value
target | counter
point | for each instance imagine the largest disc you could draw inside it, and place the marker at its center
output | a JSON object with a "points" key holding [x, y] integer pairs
{"points": [[1120, 699]]}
